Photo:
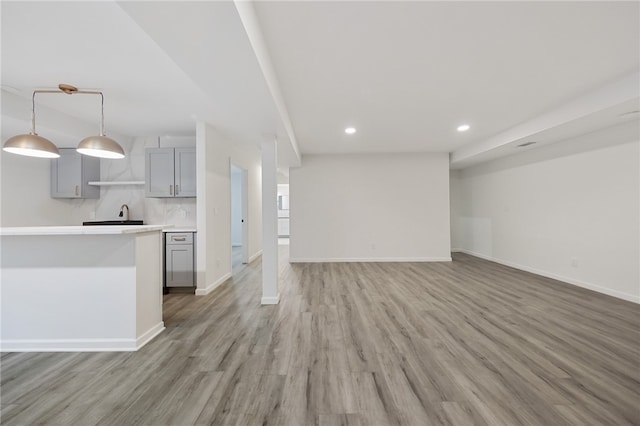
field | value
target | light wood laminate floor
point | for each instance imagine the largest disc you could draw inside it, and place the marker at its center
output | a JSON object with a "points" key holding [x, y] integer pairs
{"points": [[236, 260], [460, 343]]}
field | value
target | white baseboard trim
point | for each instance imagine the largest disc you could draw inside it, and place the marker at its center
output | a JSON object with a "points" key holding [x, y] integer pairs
{"points": [[147, 336], [210, 288], [368, 259], [271, 300], [68, 345], [81, 345], [255, 256], [578, 283]]}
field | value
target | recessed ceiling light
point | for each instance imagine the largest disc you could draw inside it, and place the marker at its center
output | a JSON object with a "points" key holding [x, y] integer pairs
{"points": [[463, 127], [350, 130]]}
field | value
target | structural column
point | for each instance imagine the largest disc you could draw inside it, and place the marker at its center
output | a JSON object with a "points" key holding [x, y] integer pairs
{"points": [[270, 293]]}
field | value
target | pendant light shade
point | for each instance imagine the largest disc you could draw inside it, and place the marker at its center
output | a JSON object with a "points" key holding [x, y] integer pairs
{"points": [[31, 145], [96, 146], [100, 146]]}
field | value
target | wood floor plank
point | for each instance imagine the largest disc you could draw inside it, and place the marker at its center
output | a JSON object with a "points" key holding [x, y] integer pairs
{"points": [[452, 343], [460, 415], [339, 420], [374, 400]]}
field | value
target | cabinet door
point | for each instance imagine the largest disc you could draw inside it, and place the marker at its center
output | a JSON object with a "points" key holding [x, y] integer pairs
{"points": [[179, 265], [185, 172], [66, 174], [159, 172]]}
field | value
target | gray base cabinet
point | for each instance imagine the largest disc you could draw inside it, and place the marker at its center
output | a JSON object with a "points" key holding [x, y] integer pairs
{"points": [[71, 174], [170, 172], [179, 261]]}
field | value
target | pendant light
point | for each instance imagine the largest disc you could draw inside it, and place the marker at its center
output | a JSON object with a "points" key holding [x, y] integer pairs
{"points": [[100, 146], [96, 146], [31, 145]]}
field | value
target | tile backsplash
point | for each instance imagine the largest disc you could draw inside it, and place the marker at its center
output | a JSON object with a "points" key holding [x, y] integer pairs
{"points": [[171, 211]]}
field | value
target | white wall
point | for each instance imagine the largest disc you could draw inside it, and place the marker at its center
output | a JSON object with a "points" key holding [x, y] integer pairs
{"points": [[455, 200], [25, 195], [376, 207], [574, 217], [214, 154]]}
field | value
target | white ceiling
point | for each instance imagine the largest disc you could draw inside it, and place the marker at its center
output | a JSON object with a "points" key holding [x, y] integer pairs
{"points": [[161, 66], [405, 74], [93, 45]]}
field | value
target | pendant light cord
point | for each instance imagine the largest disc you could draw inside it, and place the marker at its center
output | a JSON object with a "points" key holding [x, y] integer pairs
{"points": [[33, 107], [101, 114], [33, 113], [67, 92]]}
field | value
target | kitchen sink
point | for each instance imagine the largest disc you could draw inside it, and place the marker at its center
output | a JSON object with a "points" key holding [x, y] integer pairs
{"points": [[113, 222]]}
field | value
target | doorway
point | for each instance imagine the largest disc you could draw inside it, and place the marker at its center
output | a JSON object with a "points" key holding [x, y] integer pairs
{"points": [[239, 216], [283, 213]]}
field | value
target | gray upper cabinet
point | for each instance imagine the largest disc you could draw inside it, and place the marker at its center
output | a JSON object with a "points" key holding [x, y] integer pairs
{"points": [[71, 174], [185, 172], [159, 166], [170, 172]]}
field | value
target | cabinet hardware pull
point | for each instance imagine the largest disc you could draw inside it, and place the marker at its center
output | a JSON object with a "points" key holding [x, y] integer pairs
{"points": [[176, 189], [77, 190], [179, 238], [170, 189]]}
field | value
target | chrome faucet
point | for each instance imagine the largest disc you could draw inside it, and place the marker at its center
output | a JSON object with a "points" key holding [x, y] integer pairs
{"points": [[122, 211]]}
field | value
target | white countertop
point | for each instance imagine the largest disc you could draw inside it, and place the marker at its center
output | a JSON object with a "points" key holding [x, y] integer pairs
{"points": [[170, 229], [79, 230]]}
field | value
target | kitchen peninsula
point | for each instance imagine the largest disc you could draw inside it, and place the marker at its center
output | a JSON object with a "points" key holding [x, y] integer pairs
{"points": [[75, 288]]}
